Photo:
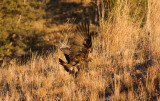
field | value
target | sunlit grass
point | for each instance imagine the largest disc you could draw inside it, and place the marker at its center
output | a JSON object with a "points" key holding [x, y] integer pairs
{"points": [[125, 65]]}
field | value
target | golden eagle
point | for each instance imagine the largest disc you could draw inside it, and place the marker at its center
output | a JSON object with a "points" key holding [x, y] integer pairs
{"points": [[81, 45]]}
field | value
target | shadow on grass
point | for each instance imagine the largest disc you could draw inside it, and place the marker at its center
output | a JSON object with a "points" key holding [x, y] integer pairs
{"points": [[60, 12]]}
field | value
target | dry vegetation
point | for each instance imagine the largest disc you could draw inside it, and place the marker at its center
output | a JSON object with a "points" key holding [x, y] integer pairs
{"points": [[125, 64]]}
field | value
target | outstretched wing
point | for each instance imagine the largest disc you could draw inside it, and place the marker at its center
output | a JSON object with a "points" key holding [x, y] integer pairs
{"points": [[81, 43]]}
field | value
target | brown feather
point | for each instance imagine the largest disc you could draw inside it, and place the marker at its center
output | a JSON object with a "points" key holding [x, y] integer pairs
{"points": [[82, 41], [80, 48], [66, 50]]}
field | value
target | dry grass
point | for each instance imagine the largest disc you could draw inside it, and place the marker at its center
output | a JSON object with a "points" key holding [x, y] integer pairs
{"points": [[125, 65]]}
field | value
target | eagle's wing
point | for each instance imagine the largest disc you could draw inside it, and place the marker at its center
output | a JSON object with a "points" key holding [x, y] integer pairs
{"points": [[81, 44]]}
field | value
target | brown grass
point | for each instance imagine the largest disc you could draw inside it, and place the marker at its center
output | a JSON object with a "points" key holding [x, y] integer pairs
{"points": [[125, 65]]}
